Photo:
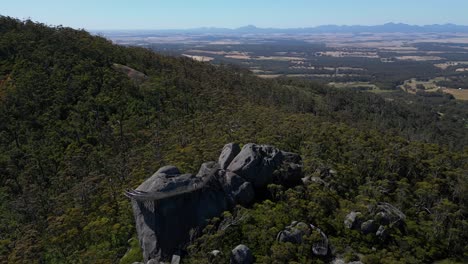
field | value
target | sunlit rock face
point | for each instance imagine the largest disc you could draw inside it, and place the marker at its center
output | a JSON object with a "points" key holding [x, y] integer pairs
{"points": [[171, 208]]}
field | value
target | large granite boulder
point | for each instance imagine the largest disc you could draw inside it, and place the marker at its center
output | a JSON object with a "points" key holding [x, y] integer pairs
{"points": [[169, 207], [257, 164], [240, 190], [228, 153], [241, 255]]}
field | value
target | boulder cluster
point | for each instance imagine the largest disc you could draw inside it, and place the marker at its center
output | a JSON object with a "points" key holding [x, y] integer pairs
{"points": [[296, 232], [170, 207], [382, 219]]}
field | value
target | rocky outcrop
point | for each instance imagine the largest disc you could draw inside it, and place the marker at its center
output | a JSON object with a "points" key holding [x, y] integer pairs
{"points": [[295, 233], [353, 220], [241, 255], [381, 219], [169, 207]]}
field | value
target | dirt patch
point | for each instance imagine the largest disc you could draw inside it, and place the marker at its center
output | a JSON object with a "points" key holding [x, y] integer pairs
{"points": [[238, 57], [199, 58], [133, 74], [460, 94], [269, 76], [279, 58], [447, 64], [344, 54], [419, 58]]}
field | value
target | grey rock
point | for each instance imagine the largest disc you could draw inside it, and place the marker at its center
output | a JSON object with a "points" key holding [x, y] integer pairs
{"points": [[170, 208], [355, 262], [290, 171], [369, 227], [168, 170], [320, 248], [387, 214], [240, 191], [152, 261], [228, 153], [245, 194], [294, 233], [241, 255], [256, 164], [216, 253], [215, 256], [247, 162], [175, 259], [166, 207], [353, 220], [382, 232], [207, 169], [338, 261]]}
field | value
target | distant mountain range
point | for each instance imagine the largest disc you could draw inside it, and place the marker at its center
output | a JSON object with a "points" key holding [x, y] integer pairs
{"points": [[250, 29]]}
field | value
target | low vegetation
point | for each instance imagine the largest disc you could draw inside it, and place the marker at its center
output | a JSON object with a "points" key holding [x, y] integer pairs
{"points": [[75, 131]]}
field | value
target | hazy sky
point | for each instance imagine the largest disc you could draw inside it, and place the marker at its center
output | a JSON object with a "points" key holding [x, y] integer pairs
{"points": [[171, 14]]}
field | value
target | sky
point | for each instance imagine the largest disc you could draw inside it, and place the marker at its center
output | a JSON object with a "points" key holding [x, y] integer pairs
{"points": [[183, 14]]}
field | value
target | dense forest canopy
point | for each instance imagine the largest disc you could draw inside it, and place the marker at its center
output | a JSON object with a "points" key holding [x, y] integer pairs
{"points": [[76, 130]]}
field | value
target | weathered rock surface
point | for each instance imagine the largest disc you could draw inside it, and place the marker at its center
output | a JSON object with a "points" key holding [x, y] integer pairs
{"points": [[256, 163], [240, 190], [295, 232], [170, 205], [215, 257], [381, 219], [228, 153], [369, 227], [241, 255], [387, 214], [353, 220], [320, 248]]}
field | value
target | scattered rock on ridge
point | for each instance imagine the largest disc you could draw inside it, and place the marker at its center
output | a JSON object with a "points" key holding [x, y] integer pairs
{"points": [[170, 205]]}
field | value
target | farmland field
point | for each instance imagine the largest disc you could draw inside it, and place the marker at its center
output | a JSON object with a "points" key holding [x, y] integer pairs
{"points": [[374, 62]]}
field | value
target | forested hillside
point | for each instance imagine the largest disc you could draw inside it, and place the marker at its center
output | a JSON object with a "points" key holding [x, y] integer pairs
{"points": [[76, 129]]}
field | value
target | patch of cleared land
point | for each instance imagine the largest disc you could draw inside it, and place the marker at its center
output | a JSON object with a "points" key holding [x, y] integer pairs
{"points": [[269, 76], [410, 86], [419, 58], [353, 85], [279, 58], [207, 52], [341, 54], [460, 94], [447, 64], [199, 58], [238, 57]]}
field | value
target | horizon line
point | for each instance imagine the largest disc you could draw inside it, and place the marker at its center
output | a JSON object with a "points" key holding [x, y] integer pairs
{"points": [[280, 28]]}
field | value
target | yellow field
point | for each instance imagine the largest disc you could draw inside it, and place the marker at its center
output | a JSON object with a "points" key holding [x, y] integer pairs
{"points": [[457, 93]]}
